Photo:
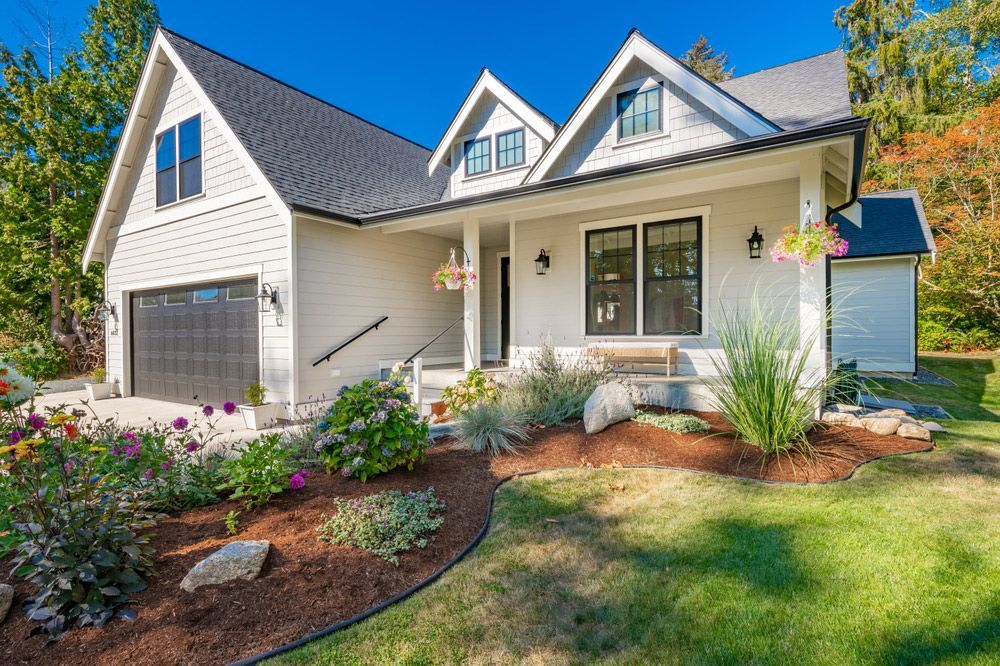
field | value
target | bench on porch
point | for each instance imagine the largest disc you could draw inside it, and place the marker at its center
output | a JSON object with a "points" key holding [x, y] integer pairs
{"points": [[665, 355]]}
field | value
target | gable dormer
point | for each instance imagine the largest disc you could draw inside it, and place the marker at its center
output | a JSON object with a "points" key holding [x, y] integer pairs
{"points": [[645, 105], [493, 140]]}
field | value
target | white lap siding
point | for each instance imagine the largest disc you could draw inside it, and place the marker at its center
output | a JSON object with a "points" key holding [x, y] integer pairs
{"points": [[874, 303], [348, 278]]}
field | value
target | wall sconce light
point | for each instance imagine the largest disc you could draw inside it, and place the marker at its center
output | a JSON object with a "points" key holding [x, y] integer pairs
{"points": [[756, 243], [541, 263], [105, 310], [268, 298]]}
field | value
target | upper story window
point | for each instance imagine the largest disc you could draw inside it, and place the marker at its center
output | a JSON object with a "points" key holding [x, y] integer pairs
{"points": [[510, 149], [639, 112], [477, 156], [178, 162]]}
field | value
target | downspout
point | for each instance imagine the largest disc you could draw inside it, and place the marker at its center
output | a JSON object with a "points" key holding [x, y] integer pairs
{"points": [[860, 150]]}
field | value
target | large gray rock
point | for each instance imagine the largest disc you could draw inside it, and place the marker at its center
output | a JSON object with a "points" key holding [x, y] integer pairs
{"points": [[885, 425], [933, 426], [237, 560], [608, 404], [914, 432], [6, 599]]}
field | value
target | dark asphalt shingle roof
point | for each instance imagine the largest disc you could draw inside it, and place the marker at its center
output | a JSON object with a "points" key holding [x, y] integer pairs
{"points": [[317, 156], [891, 223], [812, 91]]}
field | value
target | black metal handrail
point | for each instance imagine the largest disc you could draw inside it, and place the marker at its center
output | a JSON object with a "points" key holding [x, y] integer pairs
{"points": [[435, 339], [374, 324]]}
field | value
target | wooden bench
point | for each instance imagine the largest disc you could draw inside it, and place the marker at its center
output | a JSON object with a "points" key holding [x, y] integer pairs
{"points": [[665, 355]]}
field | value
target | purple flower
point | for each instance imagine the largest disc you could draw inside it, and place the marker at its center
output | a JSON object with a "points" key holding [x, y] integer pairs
{"points": [[165, 466], [129, 435], [68, 466], [192, 446], [180, 423], [15, 436], [229, 408], [208, 410], [296, 481], [380, 416], [357, 426], [148, 474], [35, 422], [133, 451]]}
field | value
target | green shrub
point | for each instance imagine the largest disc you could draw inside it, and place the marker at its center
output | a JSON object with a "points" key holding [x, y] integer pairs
{"points": [[385, 524], [674, 422], [936, 336], [475, 388], [552, 389], [371, 429], [27, 343], [763, 385], [491, 427], [258, 472], [99, 375], [255, 394]]}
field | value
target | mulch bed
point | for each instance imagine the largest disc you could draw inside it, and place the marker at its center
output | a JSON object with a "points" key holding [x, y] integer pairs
{"points": [[307, 585]]}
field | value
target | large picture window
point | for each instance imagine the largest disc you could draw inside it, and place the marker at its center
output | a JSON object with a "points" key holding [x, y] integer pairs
{"points": [[672, 278], [639, 112], [611, 281], [178, 162]]}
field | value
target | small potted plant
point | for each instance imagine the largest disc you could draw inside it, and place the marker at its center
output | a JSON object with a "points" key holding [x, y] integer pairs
{"points": [[99, 389], [258, 414]]}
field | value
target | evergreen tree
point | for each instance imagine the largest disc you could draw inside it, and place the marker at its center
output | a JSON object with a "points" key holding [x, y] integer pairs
{"points": [[702, 58]]}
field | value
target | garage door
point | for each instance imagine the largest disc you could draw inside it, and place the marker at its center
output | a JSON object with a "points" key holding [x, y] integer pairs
{"points": [[196, 343]]}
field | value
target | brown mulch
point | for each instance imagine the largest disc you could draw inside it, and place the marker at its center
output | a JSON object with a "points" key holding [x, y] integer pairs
{"points": [[307, 585]]}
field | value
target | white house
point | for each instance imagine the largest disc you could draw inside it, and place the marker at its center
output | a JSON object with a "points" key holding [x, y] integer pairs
{"points": [[228, 184]]}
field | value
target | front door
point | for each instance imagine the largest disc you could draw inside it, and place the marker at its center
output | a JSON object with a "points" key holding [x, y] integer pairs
{"points": [[504, 307]]}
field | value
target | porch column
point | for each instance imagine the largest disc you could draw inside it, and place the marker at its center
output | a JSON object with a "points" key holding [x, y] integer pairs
{"points": [[813, 283], [470, 241]]}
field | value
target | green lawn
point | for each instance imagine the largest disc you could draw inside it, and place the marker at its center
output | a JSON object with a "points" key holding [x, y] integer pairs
{"points": [[901, 564]]}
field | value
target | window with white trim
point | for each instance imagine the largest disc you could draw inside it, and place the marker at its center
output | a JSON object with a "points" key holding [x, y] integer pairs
{"points": [[477, 156], [178, 162], [510, 149], [639, 112]]}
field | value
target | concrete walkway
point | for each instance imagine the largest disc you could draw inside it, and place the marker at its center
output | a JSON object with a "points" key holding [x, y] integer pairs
{"points": [[138, 412]]}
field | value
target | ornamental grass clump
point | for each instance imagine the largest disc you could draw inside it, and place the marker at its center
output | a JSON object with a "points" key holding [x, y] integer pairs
{"points": [[491, 427], [764, 386], [385, 524], [673, 422], [372, 428]]}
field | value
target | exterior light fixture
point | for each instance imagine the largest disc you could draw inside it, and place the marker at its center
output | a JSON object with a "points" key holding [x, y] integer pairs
{"points": [[541, 263], [268, 298], [756, 243], [105, 310]]}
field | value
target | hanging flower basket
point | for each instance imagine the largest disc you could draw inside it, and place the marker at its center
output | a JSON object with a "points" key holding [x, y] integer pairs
{"points": [[809, 242], [454, 276]]}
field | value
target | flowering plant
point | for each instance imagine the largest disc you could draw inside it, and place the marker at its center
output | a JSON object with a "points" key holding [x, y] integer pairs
{"points": [[452, 275], [372, 428], [808, 244], [476, 387]]}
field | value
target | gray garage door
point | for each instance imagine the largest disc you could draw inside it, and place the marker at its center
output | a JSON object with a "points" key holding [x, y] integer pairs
{"points": [[196, 343]]}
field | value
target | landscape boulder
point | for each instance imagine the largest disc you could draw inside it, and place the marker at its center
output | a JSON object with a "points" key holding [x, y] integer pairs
{"points": [[933, 426], [6, 599], [881, 425], [608, 404], [239, 560], [841, 418], [911, 431]]}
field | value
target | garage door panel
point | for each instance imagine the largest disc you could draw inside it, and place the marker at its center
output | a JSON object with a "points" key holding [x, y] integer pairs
{"points": [[195, 352]]}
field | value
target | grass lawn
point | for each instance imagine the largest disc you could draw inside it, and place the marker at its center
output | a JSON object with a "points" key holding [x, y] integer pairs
{"points": [[900, 564]]}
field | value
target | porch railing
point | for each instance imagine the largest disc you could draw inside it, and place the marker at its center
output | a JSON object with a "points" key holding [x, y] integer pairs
{"points": [[372, 326]]}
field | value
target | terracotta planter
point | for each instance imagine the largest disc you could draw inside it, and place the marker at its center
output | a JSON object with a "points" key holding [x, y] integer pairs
{"points": [[438, 408]]}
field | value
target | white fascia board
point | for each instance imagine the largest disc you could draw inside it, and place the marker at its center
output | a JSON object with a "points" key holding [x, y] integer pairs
{"points": [[638, 47], [487, 82]]}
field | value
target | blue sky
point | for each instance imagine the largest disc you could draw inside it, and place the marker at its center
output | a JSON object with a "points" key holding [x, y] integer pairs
{"points": [[407, 66]]}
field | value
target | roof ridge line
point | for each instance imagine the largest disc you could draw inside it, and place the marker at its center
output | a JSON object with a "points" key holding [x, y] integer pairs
{"points": [[290, 86], [790, 62]]}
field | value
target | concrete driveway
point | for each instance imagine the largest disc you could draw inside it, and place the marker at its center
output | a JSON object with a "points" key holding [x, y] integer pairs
{"points": [[137, 412]]}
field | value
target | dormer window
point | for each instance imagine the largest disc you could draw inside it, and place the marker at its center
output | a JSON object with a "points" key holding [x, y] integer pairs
{"points": [[639, 112], [178, 162], [510, 149], [477, 156]]}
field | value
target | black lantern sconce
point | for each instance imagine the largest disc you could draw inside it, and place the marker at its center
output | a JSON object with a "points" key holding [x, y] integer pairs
{"points": [[104, 311], [541, 263], [268, 298], [756, 243]]}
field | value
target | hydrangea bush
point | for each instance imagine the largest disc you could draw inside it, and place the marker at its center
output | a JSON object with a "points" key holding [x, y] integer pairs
{"points": [[386, 524], [808, 244], [476, 387], [372, 428]]}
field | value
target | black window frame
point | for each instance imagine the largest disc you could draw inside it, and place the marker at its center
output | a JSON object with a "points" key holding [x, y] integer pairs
{"points": [[523, 147], [177, 163], [619, 112], [634, 281], [489, 155], [646, 278]]}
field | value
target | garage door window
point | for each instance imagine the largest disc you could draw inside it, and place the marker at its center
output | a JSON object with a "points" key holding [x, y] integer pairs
{"points": [[175, 298], [206, 296], [243, 292], [149, 301]]}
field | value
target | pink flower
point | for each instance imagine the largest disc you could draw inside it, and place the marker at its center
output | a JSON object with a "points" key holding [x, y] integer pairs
{"points": [[130, 436], [229, 408], [208, 410], [35, 422], [148, 474], [297, 481], [192, 446], [180, 423]]}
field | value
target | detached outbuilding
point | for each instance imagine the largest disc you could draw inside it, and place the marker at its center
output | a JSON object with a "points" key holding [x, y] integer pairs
{"points": [[875, 286]]}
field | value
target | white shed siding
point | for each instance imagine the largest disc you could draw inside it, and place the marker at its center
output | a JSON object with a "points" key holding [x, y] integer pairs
{"points": [[348, 278], [691, 125], [551, 305], [232, 231], [874, 303], [490, 118]]}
